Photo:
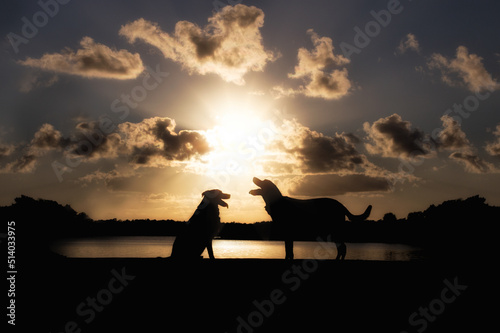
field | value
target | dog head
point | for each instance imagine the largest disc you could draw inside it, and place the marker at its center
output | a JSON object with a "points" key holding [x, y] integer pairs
{"points": [[215, 197], [269, 192]]}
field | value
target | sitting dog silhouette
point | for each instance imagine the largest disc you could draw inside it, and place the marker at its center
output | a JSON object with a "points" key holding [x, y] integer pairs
{"points": [[293, 218], [201, 227]]}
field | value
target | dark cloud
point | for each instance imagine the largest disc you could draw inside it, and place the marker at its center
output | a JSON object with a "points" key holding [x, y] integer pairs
{"points": [[44, 140], [331, 185], [320, 153], [230, 45], [152, 142], [47, 137], [92, 60], [25, 164], [89, 141], [393, 137]]}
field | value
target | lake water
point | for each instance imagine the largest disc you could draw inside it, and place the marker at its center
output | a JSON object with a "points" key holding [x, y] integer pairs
{"points": [[161, 246]]}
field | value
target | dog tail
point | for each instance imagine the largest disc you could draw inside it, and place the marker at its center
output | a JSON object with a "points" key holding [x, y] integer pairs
{"points": [[359, 218]]}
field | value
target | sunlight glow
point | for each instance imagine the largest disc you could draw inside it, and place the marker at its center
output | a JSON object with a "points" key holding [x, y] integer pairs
{"points": [[240, 140], [243, 142]]}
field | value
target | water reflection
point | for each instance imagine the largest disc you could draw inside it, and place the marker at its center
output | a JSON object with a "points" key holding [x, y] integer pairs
{"points": [[153, 247]]}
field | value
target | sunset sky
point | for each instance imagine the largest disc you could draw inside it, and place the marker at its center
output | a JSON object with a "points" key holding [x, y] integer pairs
{"points": [[133, 109]]}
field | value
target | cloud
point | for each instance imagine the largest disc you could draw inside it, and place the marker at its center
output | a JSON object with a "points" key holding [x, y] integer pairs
{"points": [[465, 69], [92, 60], [453, 138], [321, 57], [331, 185], [393, 137], [47, 137], [316, 152], [90, 143], [473, 163], [312, 68], [6, 150], [328, 85], [38, 80], [25, 164], [152, 142], [493, 148], [230, 45], [409, 43], [301, 152], [87, 142], [44, 140], [313, 164]]}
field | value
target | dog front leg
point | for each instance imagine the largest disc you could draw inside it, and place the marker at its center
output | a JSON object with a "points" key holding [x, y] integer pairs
{"points": [[210, 250], [341, 251], [289, 249]]}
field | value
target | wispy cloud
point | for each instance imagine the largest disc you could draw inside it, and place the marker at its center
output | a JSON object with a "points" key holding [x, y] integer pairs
{"points": [[464, 69], [410, 42], [6, 150], [92, 60], [472, 162], [493, 148], [37, 80], [453, 138], [230, 45]]}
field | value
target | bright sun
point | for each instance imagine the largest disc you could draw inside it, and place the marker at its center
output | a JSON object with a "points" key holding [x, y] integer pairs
{"points": [[242, 143], [240, 140]]}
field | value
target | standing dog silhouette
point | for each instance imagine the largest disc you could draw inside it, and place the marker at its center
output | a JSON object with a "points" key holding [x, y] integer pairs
{"points": [[201, 228], [314, 217]]}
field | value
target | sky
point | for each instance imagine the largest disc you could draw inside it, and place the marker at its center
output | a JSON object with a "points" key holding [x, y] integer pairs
{"points": [[132, 109]]}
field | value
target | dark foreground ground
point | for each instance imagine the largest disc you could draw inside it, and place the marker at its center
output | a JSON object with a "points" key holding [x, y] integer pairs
{"points": [[226, 295]]}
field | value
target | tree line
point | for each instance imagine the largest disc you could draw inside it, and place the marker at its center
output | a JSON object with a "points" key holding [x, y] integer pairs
{"points": [[452, 224]]}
